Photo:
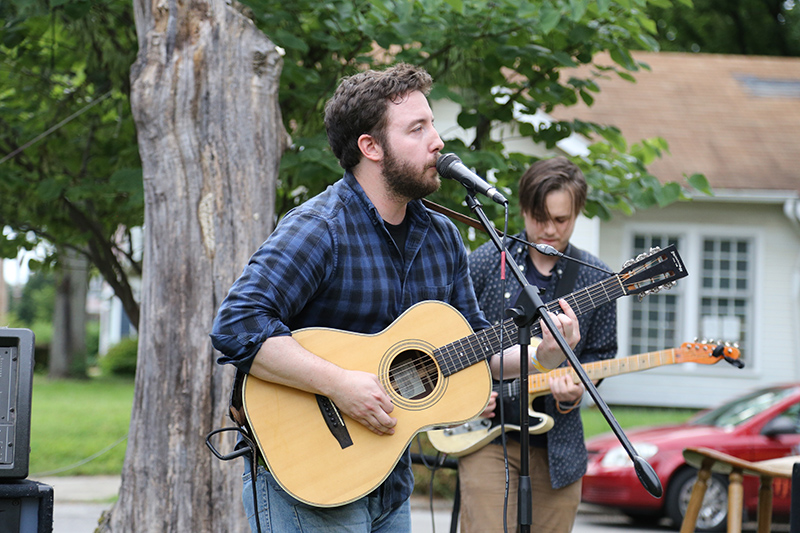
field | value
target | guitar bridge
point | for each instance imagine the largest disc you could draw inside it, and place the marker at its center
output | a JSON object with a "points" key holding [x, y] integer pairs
{"points": [[334, 421]]}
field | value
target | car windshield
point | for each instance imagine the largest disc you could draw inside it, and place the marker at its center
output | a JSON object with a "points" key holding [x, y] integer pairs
{"points": [[742, 409]]}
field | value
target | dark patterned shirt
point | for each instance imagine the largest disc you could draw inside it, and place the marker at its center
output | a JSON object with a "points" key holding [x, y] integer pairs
{"points": [[565, 442], [332, 263]]}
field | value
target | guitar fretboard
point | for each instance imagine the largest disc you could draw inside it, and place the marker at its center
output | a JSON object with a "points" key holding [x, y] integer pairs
{"points": [[480, 346], [604, 369]]}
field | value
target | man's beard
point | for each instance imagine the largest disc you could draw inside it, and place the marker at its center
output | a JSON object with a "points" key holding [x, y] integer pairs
{"points": [[404, 181]]}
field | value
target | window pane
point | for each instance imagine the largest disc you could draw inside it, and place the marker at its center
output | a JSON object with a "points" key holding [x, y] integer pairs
{"points": [[725, 295], [653, 319]]}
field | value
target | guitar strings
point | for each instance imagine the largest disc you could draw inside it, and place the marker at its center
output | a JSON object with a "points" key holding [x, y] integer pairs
{"points": [[486, 343], [465, 352], [455, 356]]}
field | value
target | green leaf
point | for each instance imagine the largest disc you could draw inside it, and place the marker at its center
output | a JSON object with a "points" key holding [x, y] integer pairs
{"points": [[699, 182], [49, 190], [626, 76], [287, 40], [549, 19], [383, 6], [126, 179], [648, 24], [577, 9], [622, 57], [564, 59], [667, 194], [468, 120], [77, 9], [457, 5], [595, 208]]}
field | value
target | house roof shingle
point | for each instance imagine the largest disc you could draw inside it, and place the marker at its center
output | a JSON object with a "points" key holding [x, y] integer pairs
{"points": [[735, 119]]}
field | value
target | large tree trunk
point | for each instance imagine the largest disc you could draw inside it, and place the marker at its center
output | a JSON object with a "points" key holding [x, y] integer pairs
{"points": [[68, 344], [205, 101]]}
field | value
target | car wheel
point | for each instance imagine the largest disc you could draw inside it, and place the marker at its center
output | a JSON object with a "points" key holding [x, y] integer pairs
{"points": [[714, 512]]}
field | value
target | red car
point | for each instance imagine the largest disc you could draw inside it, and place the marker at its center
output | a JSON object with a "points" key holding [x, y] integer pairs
{"points": [[763, 424]]}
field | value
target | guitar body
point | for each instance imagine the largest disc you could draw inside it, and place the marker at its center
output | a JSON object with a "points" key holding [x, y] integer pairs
{"points": [[475, 434], [297, 434]]}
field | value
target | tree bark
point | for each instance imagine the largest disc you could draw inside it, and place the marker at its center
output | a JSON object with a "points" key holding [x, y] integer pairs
{"points": [[67, 357], [205, 100]]}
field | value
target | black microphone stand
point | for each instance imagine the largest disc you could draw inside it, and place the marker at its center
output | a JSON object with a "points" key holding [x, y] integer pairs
{"points": [[528, 307]]}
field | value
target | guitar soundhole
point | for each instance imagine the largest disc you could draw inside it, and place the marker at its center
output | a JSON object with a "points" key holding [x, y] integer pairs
{"points": [[413, 375]]}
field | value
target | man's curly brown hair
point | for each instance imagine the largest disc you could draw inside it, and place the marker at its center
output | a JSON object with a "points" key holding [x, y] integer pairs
{"points": [[359, 106]]}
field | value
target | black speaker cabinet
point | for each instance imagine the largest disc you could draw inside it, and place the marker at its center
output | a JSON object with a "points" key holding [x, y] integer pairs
{"points": [[16, 381], [25, 507]]}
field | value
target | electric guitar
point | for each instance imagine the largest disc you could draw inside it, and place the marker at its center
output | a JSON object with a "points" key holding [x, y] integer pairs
{"points": [[475, 434], [434, 369]]}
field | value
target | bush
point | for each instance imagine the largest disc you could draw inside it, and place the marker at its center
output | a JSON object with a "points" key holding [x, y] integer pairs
{"points": [[120, 360], [92, 341]]}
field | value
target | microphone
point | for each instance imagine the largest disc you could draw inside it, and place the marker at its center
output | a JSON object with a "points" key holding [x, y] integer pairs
{"points": [[450, 166]]}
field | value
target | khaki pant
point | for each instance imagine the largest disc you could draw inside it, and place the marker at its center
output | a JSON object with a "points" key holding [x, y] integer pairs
{"points": [[482, 485]]}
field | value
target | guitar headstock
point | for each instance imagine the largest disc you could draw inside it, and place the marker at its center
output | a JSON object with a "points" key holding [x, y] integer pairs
{"points": [[707, 353], [652, 271]]}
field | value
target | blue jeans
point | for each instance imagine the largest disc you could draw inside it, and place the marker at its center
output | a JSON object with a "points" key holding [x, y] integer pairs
{"points": [[279, 512]]}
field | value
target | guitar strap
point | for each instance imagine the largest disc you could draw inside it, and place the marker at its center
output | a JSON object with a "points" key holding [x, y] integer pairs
{"points": [[566, 282]]}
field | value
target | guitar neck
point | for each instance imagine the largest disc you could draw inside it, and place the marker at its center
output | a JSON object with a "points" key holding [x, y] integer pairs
{"points": [[482, 345], [539, 383]]}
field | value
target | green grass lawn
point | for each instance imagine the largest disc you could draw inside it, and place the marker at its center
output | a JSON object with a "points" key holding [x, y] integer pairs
{"points": [[595, 423], [72, 421]]}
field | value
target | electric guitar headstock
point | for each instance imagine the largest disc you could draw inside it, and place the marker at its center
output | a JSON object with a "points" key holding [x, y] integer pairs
{"points": [[652, 271], [708, 353]]}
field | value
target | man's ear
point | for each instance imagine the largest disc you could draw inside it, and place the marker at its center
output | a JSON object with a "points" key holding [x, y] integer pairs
{"points": [[370, 148]]}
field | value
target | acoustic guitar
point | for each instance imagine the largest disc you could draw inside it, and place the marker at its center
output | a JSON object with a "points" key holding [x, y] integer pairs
{"points": [[434, 369], [473, 435]]}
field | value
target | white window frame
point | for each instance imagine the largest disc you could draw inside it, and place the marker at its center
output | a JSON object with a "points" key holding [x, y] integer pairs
{"points": [[690, 248]]}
